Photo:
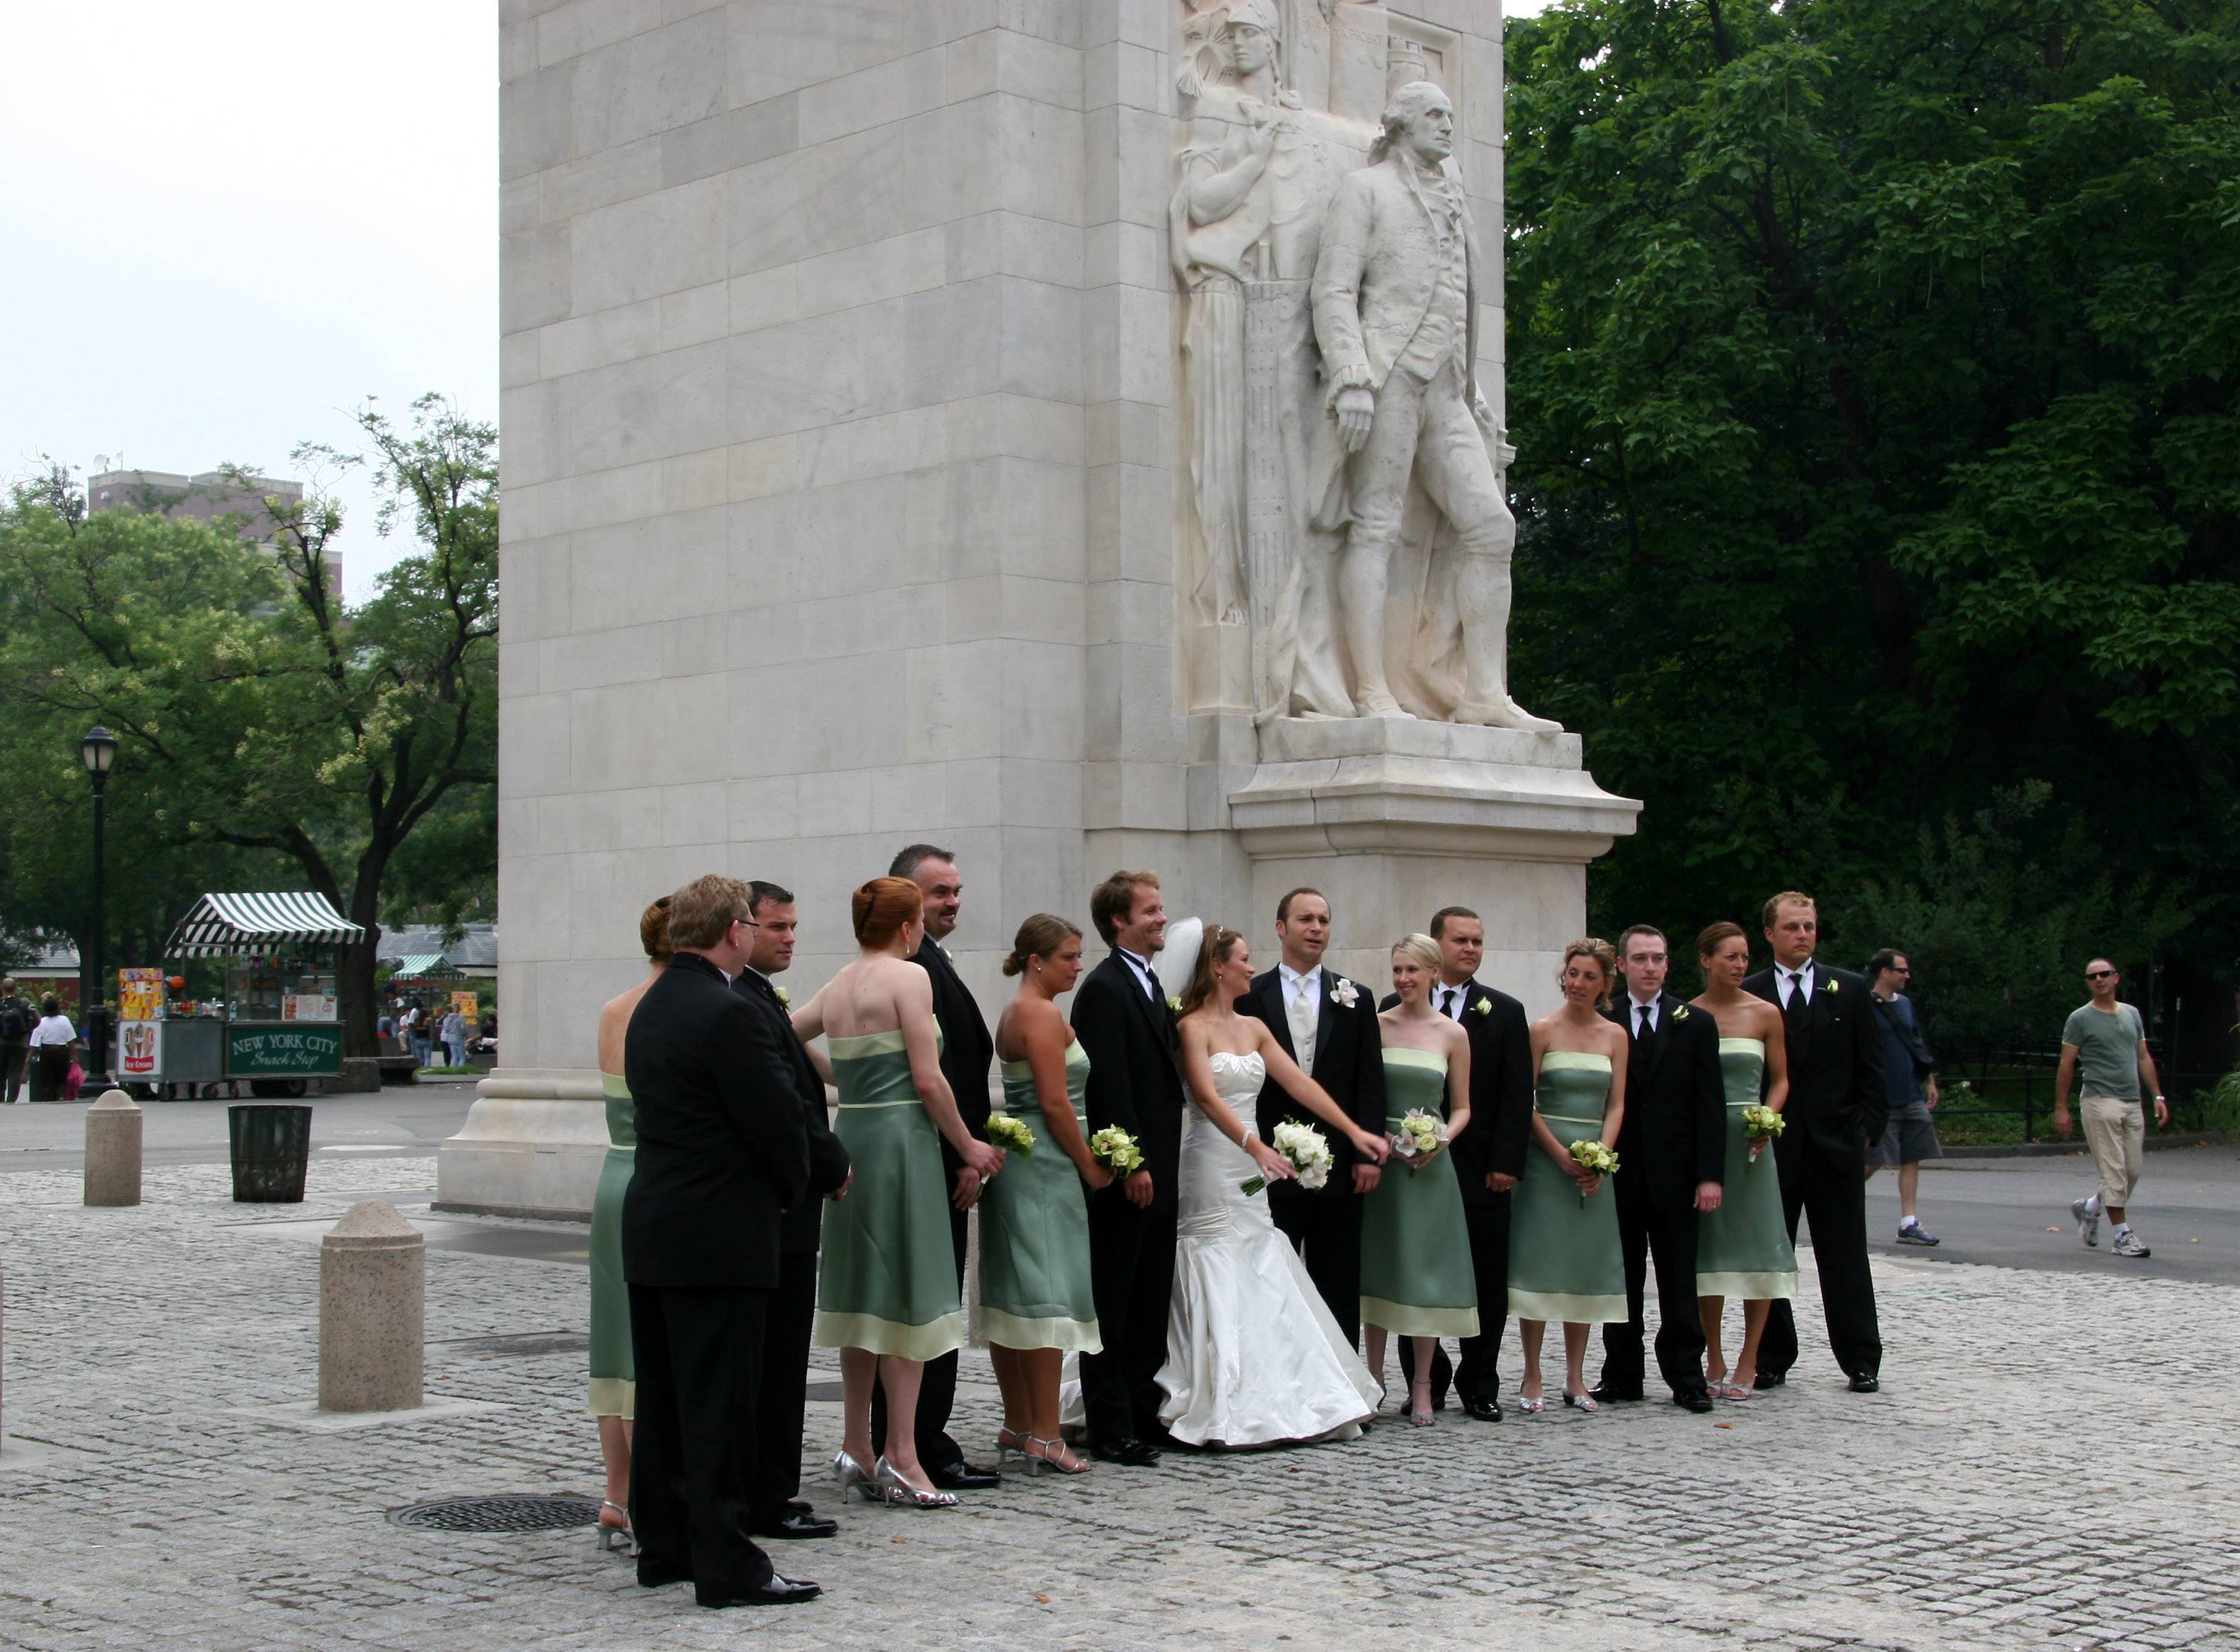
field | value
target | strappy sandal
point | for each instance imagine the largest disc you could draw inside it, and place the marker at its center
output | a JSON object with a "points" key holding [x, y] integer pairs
{"points": [[1067, 1462], [622, 1538]]}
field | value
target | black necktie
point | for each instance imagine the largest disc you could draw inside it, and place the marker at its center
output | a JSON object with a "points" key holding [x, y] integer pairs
{"points": [[1797, 993], [1640, 1028]]}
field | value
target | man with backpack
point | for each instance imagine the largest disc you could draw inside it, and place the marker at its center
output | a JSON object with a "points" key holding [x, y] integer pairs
{"points": [[16, 1021]]}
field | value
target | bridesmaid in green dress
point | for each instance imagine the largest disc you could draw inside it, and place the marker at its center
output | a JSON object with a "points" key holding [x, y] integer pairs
{"points": [[1416, 1276], [614, 1371], [886, 1291], [1035, 1297], [1563, 1256], [1742, 1249]]}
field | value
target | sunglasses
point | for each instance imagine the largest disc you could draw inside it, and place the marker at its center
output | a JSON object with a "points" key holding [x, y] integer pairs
{"points": [[2098, 975]]}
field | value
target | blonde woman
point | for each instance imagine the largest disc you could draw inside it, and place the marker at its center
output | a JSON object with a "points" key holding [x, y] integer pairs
{"points": [[1564, 1261]]}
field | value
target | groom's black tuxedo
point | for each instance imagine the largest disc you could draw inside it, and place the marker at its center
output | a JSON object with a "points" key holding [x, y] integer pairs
{"points": [[1325, 1226], [1837, 1109], [793, 1305], [1673, 1139], [1135, 1083], [1499, 1135], [967, 1052]]}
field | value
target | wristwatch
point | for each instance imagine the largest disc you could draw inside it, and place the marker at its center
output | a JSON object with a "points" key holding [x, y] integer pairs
{"points": [[2162, 1098]]}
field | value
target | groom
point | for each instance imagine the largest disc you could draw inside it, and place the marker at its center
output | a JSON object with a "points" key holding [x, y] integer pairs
{"points": [[1121, 1016], [1329, 1026]]}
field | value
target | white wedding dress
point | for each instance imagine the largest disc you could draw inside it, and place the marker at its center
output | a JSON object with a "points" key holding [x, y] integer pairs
{"points": [[1253, 1357]]}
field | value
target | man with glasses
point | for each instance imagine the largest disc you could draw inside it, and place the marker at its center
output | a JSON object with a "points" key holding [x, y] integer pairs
{"points": [[2108, 1041], [1909, 1079]]}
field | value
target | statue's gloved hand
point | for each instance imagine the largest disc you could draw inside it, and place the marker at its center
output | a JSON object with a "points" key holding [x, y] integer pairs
{"points": [[1356, 407]]}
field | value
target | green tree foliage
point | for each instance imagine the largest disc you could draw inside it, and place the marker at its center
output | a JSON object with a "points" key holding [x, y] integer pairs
{"points": [[1872, 366], [260, 726]]}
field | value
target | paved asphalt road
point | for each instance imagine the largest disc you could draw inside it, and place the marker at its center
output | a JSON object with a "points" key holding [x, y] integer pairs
{"points": [[2011, 1213]]}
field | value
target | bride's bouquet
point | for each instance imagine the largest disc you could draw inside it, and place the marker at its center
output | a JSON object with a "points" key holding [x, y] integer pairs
{"points": [[1760, 1124], [1308, 1150], [1592, 1154], [1011, 1135], [1115, 1149], [1420, 1134]]}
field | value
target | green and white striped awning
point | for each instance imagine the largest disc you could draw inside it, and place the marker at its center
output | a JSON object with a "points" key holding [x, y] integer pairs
{"points": [[419, 963], [223, 924]]}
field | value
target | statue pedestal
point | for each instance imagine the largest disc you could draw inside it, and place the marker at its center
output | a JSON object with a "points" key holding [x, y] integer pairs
{"points": [[531, 1146], [1405, 816]]}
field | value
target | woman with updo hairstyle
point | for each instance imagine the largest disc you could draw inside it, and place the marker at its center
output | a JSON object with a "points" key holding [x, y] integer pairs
{"points": [[1035, 1304], [1742, 1249], [886, 1294], [614, 1369], [1564, 1262]]}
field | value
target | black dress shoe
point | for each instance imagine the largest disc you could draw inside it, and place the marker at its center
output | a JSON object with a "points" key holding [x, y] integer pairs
{"points": [[1480, 1410], [1694, 1400], [1132, 1454], [793, 1524], [1865, 1382], [652, 1574], [779, 1591], [799, 1506], [962, 1476], [1603, 1393], [1769, 1379]]}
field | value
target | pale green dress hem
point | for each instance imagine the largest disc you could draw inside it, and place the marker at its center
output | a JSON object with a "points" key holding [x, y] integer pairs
{"points": [[1571, 1311], [614, 1397], [926, 1341], [1068, 1336], [1755, 1287], [1403, 1319]]}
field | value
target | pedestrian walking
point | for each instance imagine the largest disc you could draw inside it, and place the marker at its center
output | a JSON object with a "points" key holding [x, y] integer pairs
{"points": [[455, 1036], [417, 1030], [1909, 1079], [51, 1042], [2106, 1043], [16, 1019]]}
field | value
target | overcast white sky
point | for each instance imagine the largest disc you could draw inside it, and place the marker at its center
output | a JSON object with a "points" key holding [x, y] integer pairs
{"points": [[230, 221], [227, 221]]}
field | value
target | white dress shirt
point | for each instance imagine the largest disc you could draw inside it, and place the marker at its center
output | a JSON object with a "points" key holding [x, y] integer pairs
{"points": [[1633, 1008], [1792, 980], [1451, 1002], [1144, 969]]}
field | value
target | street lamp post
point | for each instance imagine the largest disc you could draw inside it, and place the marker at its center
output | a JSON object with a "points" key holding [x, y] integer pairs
{"points": [[97, 751]]}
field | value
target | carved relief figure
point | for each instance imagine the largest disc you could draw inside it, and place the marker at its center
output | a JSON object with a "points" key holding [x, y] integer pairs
{"points": [[1394, 315]]}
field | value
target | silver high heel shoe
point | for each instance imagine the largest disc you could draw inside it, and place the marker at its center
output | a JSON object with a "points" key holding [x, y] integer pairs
{"points": [[1008, 1448], [902, 1494], [623, 1537], [847, 1472], [1581, 1403]]}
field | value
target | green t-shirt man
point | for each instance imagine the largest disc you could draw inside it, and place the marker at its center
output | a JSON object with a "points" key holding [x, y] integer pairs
{"points": [[2107, 1051]]}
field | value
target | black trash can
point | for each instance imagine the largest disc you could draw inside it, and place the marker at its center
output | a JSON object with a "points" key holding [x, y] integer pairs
{"points": [[271, 1148]]}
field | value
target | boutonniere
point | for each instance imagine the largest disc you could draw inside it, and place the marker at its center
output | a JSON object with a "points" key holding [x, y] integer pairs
{"points": [[1174, 1005], [1483, 1006], [1680, 1015], [1345, 994], [1832, 984], [784, 998]]}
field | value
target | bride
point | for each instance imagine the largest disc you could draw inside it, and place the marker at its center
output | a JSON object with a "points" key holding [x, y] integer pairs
{"points": [[1253, 1357]]}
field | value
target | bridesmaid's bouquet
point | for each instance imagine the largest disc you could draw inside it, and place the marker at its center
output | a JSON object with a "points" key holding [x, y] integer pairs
{"points": [[1760, 1124], [1420, 1134], [1307, 1148], [1592, 1154], [1115, 1149], [1010, 1134]]}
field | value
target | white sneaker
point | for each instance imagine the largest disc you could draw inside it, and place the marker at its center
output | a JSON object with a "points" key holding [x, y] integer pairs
{"points": [[2128, 1244], [2088, 1222]]}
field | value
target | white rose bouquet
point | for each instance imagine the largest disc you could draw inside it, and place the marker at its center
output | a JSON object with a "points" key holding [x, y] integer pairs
{"points": [[1760, 1124], [1308, 1150], [1011, 1135], [1421, 1135], [1115, 1149], [1592, 1154]]}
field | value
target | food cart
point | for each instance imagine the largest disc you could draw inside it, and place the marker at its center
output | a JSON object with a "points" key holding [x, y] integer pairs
{"points": [[278, 1024]]}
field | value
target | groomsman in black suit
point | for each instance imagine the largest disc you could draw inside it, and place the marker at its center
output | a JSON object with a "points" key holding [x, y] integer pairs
{"points": [[1836, 1111], [1329, 1026], [1490, 1157], [967, 1055], [1127, 1028], [1671, 1154], [778, 1509], [721, 1155]]}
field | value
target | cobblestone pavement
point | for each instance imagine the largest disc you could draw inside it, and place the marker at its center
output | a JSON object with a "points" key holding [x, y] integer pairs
{"points": [[137, 1509]]}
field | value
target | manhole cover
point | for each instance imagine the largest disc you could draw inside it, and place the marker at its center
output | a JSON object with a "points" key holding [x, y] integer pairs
{"points": [[514, 1511], [830, 1392]]}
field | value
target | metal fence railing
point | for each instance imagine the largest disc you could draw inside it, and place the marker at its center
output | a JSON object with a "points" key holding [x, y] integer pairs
{"points": [[2007, 1095]]}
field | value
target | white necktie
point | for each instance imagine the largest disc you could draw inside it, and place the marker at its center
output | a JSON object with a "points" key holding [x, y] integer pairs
{"points": [[1304, 1013]]}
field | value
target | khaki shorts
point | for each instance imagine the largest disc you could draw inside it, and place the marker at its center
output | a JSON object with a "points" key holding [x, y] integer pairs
{"points": [[2116, 1131]]}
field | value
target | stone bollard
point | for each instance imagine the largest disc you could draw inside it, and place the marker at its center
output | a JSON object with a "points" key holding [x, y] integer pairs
{"points": [[373, 1269], [112, 1150]]}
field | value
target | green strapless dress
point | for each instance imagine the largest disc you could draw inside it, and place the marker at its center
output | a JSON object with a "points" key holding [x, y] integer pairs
{"points": [[1743, 1248], [614, 1370], [888, 1278], [1564, 1263], [1416, 1274], [1034, 1230]]}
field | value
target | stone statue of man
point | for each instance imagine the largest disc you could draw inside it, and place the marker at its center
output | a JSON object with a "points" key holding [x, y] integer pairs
{"points": [[1395, 298]]}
